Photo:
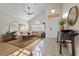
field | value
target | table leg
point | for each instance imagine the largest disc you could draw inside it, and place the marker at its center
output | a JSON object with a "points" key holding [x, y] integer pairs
{"points": [[73, 49], [60, 46]]}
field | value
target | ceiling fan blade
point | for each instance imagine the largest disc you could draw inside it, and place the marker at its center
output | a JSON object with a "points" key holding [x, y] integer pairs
{"points": [[30, 13], [27, 11]]}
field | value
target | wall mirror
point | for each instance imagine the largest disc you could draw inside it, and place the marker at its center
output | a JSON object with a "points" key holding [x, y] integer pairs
{"points": [[73, 15]]}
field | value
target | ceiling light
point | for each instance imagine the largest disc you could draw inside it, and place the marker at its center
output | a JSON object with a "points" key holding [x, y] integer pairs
{"points": [[53, 11]]}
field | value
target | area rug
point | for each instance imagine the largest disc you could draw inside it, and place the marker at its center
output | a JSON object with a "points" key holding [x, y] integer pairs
{"points": [[7, 49], [22, 43]]}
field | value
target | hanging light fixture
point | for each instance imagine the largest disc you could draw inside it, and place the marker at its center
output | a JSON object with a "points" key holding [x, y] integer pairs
{"points": [[53, 14], [28, 10], [53, 11]]}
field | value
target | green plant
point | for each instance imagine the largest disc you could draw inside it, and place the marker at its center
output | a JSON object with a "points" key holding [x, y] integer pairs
{"points": [[61, 22], [7, 32]]}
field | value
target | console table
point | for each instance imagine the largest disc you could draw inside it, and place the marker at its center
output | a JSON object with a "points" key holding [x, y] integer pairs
{"points": [[67, 35]]}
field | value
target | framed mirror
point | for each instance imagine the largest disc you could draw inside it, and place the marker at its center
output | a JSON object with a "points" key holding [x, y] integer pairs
{"points": [[72, 16]]}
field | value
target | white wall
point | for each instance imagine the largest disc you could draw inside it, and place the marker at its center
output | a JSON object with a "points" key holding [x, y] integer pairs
{"points": [[65, 9], [49, 23], [41, 18], [5, 20], [53, 22]]}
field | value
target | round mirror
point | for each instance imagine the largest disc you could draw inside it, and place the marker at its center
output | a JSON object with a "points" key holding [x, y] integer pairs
{"points": [[72, 16]]}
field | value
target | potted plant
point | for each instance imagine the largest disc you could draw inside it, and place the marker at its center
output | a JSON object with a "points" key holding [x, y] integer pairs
{"points": [[62, 22], [7, 33]]}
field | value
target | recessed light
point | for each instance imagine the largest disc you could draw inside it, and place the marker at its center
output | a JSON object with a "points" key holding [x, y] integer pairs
{"points": [[53, 11]]}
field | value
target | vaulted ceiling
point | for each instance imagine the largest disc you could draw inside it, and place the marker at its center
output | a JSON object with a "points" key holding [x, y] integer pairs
{"points": [[17, 9]]}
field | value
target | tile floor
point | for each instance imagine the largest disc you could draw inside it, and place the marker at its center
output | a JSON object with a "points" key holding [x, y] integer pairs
{"points": [[49, 47], [44, 47]]}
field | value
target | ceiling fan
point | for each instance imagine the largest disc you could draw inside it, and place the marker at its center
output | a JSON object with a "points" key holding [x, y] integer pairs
{"points": [[28, 11]]}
